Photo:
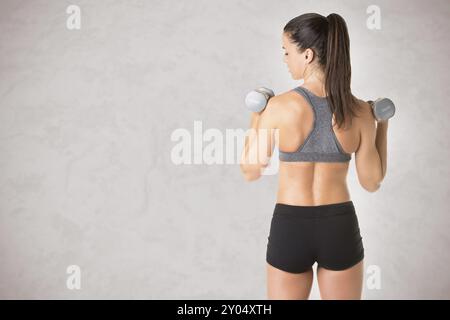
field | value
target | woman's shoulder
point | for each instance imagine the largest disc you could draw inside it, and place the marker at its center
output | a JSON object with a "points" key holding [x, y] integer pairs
{"points": [[285, 108], [363, 108], [288, 100]]}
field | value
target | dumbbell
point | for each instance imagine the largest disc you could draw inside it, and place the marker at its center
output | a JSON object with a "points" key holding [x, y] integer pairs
{"points": [[257, 99], [382, 108]]}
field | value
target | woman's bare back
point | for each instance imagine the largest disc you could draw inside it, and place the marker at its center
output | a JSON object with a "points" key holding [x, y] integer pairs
{"points": [[313, 183]]}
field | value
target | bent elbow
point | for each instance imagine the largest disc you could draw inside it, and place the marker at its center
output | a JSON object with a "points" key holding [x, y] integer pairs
{"points": [[372, 187], [250, 175], [251, 172]]}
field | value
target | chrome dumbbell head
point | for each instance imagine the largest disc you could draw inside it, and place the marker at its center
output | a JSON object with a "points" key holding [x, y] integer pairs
{"points": [[256, 100], [383, 108]]}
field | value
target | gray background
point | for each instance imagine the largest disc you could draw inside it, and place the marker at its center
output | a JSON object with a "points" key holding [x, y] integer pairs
{"points": [[86, 175]]}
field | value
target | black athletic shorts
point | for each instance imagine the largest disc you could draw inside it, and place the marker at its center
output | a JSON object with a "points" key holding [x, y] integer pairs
{"points": [[302, 235]]}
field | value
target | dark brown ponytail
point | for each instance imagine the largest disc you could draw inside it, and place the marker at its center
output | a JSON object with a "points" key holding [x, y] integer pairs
{"points": [[328, 38], [338, 70]]}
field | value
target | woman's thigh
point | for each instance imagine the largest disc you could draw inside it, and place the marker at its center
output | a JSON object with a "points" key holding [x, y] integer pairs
{"points": [[282, 285], [345, 284]]}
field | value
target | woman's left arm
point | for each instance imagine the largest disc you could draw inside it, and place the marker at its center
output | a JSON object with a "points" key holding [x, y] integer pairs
{"points": [[260, 141]]}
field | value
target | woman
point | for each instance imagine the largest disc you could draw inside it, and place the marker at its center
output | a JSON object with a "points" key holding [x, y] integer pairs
{"points": [[320, 124]]}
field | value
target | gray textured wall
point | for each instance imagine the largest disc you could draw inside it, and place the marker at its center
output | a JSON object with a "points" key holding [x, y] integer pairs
{"points": [[86, 175]]}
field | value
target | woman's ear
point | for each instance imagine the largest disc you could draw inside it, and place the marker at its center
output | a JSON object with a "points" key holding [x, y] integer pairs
{"points": [[309, 55]]}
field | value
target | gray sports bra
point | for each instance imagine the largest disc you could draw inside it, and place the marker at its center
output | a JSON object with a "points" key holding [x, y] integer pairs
{"points": [[321, 145]]}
